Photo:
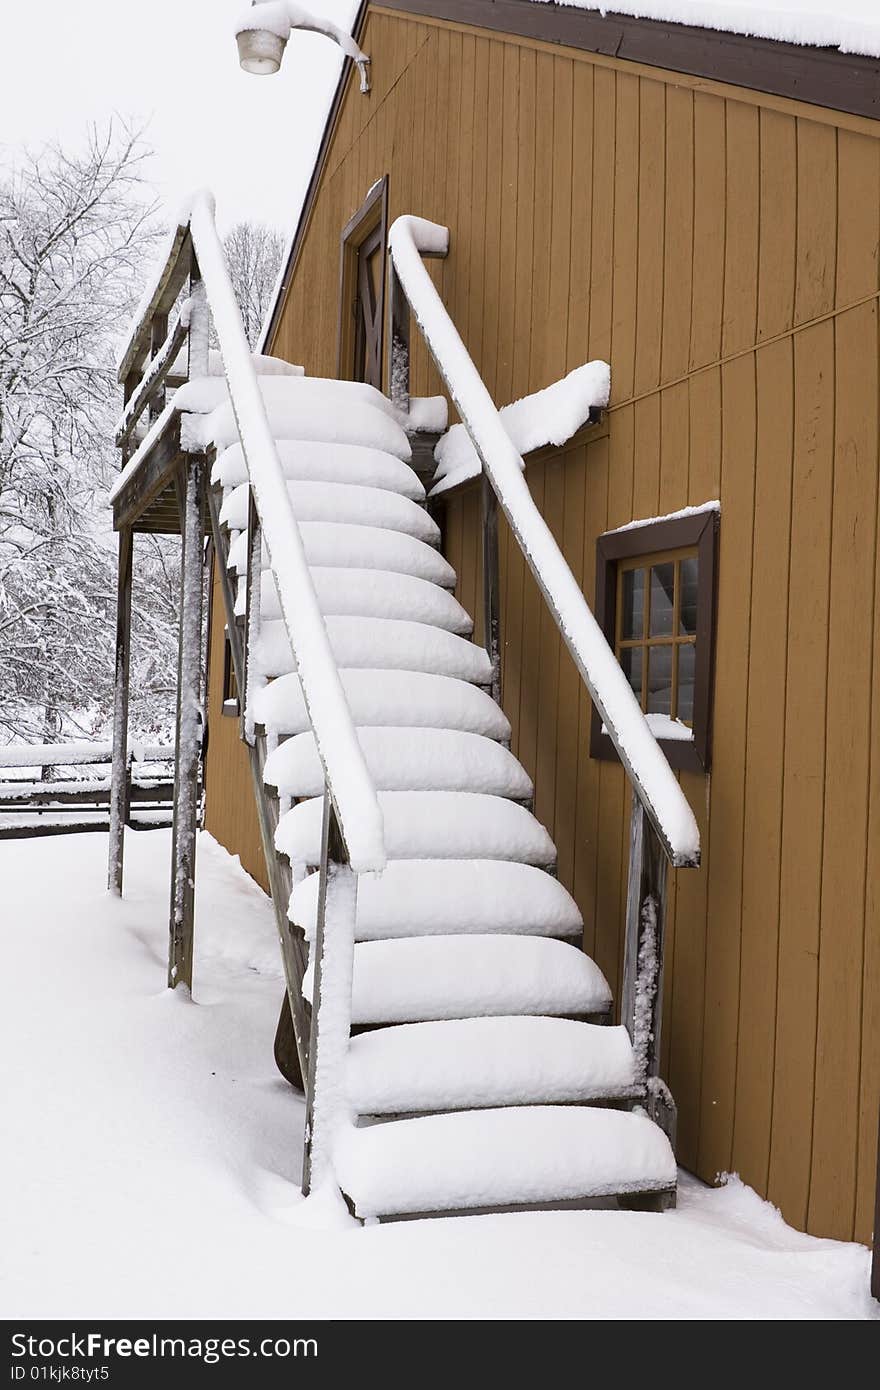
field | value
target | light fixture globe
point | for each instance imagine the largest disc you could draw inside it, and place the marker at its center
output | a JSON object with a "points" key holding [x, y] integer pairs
{"points": [[260, 50]]}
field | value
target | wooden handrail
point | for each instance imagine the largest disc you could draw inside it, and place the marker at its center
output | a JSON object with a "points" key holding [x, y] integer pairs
{"points": [[158, 298], [653, 782], [347, 777]]}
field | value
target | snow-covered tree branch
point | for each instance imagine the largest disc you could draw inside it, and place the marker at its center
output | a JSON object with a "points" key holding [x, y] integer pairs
{"points": [[75, 224]]}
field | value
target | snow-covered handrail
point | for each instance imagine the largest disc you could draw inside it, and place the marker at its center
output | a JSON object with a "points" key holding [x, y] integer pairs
{"points": [[653, 780], [348, 779]]}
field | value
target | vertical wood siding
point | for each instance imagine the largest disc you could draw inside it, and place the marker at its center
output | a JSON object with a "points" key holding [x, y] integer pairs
{"points": [[230, 810], [721, 250]]}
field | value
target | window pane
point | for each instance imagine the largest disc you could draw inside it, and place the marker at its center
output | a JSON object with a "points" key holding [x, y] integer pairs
{"points": [[687, 655], [659, 680], [631, 661], [633, 616], [688, 576], [662, 587]]}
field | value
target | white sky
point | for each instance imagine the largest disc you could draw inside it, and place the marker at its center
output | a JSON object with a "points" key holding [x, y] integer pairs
{"points": [[174, 63]]}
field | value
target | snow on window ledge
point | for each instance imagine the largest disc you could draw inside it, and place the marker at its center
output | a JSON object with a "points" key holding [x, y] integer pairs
{"points": [[713, 506], [665, 729]]}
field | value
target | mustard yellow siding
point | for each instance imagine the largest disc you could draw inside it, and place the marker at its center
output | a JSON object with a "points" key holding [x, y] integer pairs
{"points": [[721, 250]]}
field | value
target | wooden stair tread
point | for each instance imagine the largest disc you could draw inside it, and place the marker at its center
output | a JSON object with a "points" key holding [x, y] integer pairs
{"points": [[347, 545], [492, 1158], [407, 760], [431, 825], [369, 593], [406, 699], [482, 1062], [425, 978], [342, 502], [440, 897], [318, 461]]}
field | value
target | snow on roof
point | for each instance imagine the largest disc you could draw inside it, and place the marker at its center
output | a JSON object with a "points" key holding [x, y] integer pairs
{"points": [[853, 26]]}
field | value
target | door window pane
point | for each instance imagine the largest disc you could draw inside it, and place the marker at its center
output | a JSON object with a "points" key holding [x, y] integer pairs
{"points": [[633, 616], [662, 595]]}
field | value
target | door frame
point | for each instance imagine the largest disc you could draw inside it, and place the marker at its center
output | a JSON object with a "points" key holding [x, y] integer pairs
{"points": [[370, 219]]}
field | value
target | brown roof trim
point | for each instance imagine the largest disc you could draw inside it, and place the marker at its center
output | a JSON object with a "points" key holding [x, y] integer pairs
{"points": [[820, 76], [317, 171]]}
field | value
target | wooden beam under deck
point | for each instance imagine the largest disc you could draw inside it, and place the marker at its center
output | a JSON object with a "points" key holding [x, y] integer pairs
{"points": [[148, 503]]}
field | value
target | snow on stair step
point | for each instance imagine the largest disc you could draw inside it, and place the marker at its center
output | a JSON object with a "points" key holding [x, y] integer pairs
{"points": [[489, 1158], [481, 1062], [341, 545], [306, 408], [385, 642], [431, 825], [406, 760], [411, 699], [441, 897], [422, 978], [342, 502], [369, 594], [311, 461]]}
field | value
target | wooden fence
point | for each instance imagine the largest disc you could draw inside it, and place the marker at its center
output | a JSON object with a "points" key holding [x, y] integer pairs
{"points": [[58, 788]]}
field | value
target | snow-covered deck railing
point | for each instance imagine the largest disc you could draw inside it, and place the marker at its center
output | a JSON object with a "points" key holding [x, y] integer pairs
{"points": [[76, 786], [652, 779], [348, 780]]}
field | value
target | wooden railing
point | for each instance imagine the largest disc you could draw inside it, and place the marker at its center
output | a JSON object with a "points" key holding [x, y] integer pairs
{"points": [[353, 840], [64, 786], [663, 829]]}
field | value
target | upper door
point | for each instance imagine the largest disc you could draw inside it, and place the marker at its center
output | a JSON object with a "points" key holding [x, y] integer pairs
{"points": [[362, 290]]}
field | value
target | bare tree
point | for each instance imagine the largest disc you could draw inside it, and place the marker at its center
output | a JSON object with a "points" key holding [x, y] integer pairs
{"points": [[74, 226], [253, 254]]}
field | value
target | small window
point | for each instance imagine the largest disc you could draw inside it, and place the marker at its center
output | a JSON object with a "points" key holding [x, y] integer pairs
{"points": [[655, 597], [230, 685]]}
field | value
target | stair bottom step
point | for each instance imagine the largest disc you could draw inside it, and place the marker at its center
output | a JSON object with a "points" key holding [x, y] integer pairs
{"points": [[661, 1199], [524, 1156]]}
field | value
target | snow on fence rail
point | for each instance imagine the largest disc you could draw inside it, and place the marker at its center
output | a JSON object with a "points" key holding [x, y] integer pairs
{"points": [[75, 754], [649, 772], [79, 797]]}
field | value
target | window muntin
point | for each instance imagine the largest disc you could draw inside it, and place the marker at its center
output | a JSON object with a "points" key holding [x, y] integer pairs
{"points": [[656, 633], [660, 621]]}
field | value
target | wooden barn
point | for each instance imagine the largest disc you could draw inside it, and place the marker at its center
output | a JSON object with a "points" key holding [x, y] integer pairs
{"points": [[700, 210]]}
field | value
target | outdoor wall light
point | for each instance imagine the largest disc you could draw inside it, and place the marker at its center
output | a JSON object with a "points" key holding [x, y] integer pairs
{"points": [[263, 31]]}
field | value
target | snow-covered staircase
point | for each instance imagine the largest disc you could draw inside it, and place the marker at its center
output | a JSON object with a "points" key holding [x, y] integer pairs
{"points": [[454, 1042], [480, 1030]]}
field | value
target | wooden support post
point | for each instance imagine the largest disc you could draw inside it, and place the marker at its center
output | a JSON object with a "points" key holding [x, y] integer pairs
{"points": [[119, 771], [188, 736], [642, 993], [491, 582], [252, 615], [158, 331], [292, 943], [331, 1002]]}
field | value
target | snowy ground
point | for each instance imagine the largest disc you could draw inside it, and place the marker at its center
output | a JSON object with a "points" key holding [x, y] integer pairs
{"points": [[152, 1164]]}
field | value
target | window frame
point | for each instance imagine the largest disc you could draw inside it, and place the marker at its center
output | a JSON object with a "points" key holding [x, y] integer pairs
{"points": [[230, 704], [371, 219], [699, 532]]}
